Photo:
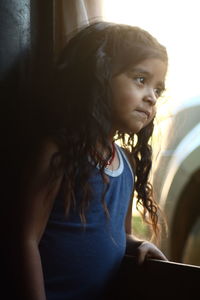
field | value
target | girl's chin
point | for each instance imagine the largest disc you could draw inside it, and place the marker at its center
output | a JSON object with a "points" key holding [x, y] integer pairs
{"points": [[137, 129], [132, 128]]}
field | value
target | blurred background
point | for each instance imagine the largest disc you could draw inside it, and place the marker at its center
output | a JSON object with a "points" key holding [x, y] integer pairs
{"points": [[176, 141]]}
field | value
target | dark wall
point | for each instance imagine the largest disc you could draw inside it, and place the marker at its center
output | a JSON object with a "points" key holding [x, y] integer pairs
{"points": [[26, 55], [14, 32], [26, 28], [15, 45]]}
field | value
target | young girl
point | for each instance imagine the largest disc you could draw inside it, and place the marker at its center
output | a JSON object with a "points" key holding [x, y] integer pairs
{"points": [[77, 190]]}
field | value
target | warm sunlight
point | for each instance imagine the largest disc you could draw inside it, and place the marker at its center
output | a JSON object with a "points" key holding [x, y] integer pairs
{"points": [[175, 24]]}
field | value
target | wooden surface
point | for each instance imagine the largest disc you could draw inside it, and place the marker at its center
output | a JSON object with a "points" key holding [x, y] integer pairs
{"points": [[155, 279]]}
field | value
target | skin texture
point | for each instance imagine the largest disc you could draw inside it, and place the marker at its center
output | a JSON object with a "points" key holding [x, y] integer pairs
{"points": [[135, 93]]}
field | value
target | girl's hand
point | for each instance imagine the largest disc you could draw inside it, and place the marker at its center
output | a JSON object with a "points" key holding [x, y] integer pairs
{"points": [[148, 250], [142, 250]]}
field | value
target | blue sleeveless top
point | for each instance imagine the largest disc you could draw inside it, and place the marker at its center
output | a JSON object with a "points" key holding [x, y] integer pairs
{"points": [[78, 261]]}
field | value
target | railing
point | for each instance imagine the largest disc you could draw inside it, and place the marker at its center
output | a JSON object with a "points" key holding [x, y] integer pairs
{"points": [[155, 279]]}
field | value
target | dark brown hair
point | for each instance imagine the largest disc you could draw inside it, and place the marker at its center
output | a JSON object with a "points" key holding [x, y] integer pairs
{"points": [[82, 108]]}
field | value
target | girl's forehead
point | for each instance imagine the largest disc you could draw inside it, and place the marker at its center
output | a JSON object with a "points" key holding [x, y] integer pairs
{"points": [[150, 62], [150, 65]]}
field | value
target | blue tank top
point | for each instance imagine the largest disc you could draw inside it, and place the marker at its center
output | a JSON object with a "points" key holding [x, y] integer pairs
{"points": [[78, 261]]}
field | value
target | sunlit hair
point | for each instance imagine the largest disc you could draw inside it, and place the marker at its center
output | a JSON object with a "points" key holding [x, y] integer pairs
{"points": [[82, 104]]}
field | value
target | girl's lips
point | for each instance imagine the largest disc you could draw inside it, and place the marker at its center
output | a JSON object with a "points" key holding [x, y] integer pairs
{"points": [[146, 113]]}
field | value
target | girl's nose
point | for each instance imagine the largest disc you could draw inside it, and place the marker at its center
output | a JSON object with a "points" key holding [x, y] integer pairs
{"points": [[150, 97]]}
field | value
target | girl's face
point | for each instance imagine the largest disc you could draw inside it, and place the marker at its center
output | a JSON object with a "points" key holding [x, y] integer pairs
{"points": [[135, 93]]}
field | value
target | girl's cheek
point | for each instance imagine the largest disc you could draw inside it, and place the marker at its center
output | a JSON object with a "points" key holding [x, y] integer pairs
{"points": [[152, 117]]}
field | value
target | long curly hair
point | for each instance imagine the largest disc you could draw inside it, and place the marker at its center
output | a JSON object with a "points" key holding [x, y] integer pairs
{"points": [[81, 109]]}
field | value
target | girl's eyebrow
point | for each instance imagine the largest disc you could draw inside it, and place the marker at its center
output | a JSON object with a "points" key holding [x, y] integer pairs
{"points": [[140, 70]]}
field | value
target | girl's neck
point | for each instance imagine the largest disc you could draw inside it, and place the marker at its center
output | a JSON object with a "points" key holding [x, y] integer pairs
{"points": [[112, 161], [103, 155]]}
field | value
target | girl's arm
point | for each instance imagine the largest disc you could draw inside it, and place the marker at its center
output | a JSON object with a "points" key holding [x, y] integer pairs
{"points": [[138, 248], [134, 246], [36, 201]]}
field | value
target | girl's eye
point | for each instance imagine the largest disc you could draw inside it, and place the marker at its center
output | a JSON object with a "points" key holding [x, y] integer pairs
{"points": [[140, 79]]}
